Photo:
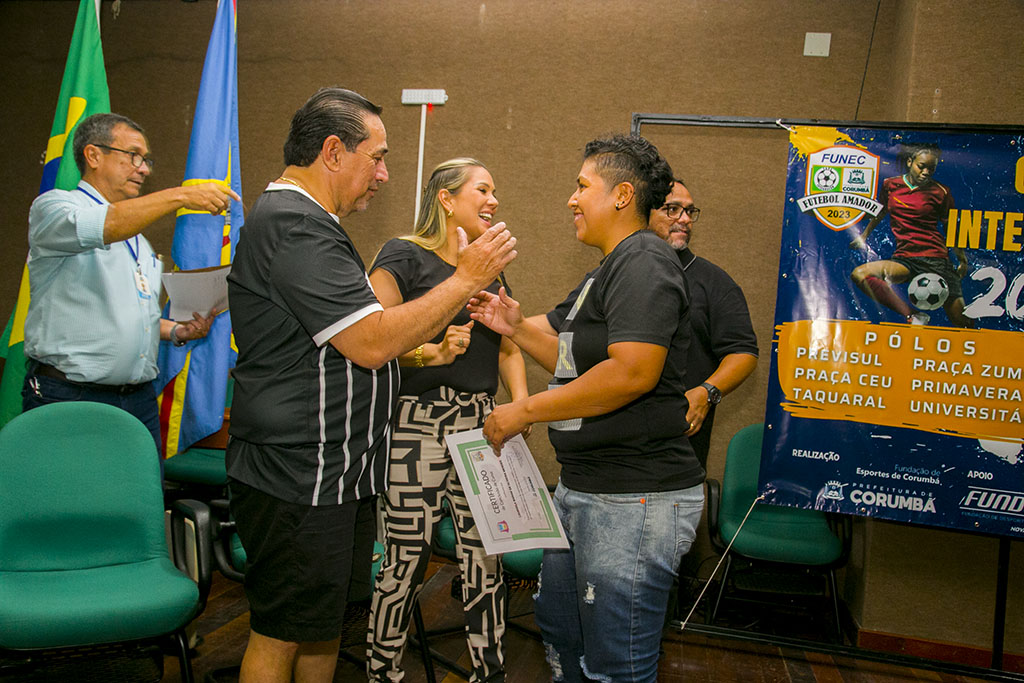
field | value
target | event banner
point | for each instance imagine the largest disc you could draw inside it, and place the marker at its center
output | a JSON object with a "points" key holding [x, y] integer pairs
{"points": [[898, 358]]}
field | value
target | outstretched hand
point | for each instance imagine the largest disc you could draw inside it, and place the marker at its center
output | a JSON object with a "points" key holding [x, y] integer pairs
{"points": [[213, 198], [500, 312], [487, 256]]}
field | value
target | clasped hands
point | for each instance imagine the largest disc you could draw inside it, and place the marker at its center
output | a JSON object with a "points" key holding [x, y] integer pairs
{"points": [[501, 313]]}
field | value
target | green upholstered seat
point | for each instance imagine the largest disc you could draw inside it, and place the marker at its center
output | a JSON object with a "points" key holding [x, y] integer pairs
{"points": [[446, 534], [197, 466], [237, 553], [52, 609], [83, 551], [523, 564], [378, 558]]}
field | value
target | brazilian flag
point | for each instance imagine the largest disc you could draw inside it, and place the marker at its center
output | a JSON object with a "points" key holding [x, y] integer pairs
{"points": [[83, 92]]}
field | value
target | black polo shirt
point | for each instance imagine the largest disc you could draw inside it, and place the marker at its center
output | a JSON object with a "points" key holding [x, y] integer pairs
{"points": [[307, 424]]}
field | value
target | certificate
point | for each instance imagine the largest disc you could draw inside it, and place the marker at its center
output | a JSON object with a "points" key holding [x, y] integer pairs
{"points": [[507, 496]]}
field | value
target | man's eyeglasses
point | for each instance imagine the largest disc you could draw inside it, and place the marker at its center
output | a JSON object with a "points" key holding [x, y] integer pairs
{"points": [[136, 159], [674, 211]]}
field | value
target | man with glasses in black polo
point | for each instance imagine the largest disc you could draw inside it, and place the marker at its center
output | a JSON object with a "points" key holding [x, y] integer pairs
{"points": [[724, 352], [93, 324]]}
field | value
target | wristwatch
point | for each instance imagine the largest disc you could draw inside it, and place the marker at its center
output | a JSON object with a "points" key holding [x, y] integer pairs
{"points": [[174, 336], [714, 393]]}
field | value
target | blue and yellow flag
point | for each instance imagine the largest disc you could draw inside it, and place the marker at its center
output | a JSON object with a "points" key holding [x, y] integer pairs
{"points": [[83, 92], [194, 377]]}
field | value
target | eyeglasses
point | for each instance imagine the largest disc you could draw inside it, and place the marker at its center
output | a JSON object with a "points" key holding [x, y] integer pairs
{"points": [[674, 211], [136, 158]]}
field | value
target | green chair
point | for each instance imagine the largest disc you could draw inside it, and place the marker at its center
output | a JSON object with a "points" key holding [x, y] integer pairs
{"points": [[794, 548], [83, 546]]}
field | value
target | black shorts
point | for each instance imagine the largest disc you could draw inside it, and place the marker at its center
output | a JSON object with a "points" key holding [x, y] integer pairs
{"points": [[299, 562], [940, 266]]}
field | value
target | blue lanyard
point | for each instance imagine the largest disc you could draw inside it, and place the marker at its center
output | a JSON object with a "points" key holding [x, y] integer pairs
{"points": [[89, 196], [134, 252]]}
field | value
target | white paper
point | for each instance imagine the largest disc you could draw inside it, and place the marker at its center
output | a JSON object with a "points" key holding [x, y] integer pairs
{"points": [[507, 496], [199, 291]]}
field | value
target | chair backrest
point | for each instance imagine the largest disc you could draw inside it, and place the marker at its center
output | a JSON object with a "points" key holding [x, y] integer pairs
{"points": [[79, 487], [742, 468]]}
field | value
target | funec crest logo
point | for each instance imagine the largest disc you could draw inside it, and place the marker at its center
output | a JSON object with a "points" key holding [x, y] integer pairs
{"points": [[840, 186]]}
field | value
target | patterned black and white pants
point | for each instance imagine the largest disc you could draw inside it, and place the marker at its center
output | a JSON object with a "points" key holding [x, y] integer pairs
{"points": [[421, 475]]}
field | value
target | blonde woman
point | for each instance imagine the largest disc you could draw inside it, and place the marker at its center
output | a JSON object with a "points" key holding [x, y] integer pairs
{"points": [[448, 386]]}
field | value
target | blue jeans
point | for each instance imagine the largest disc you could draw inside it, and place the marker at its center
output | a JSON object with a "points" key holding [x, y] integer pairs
{"points": [[601, 603]]}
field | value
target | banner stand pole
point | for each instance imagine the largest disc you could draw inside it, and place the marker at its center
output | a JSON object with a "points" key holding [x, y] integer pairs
{"points": [[999, 623]]}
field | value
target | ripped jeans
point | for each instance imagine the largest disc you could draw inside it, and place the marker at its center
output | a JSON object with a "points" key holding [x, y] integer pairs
{"points": [[601, 603]]}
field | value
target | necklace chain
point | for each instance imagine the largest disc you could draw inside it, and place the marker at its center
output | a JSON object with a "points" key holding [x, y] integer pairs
{"points": [[296, 183]]}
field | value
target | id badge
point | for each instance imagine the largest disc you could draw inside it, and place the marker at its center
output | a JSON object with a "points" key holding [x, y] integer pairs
{"points": [[142, 285]]}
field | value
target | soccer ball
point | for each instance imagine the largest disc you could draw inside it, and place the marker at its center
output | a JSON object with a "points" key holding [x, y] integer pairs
{"points": [[928, 291], [826, 178]]}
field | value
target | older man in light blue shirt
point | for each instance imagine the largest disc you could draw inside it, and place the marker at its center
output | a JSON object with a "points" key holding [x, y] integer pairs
{"points": [[93, 324]]}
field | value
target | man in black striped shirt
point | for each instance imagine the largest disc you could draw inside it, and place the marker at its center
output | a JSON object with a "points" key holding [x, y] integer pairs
{"points": [[316, 382]]}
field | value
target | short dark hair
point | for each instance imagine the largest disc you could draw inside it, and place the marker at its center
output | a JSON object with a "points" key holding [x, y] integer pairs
{"points": [[97, 129], [632, 159], [331, 111], [911, 152]]}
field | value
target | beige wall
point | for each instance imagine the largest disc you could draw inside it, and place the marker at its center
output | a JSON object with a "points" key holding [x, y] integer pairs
{"points": [[529, 82]]}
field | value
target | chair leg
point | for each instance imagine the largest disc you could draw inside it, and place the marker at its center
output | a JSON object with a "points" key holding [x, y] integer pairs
{"points": [[721, 589], [185, 661], [421, 633], [833, 586]]}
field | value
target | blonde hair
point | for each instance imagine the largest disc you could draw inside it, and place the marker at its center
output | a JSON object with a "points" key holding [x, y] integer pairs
{"points": [[451, 175]]}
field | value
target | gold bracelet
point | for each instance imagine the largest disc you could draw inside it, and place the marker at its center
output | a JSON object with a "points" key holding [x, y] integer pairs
{"points": [[418, 356]]}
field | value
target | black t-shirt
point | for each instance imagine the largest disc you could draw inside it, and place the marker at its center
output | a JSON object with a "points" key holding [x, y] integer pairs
{"points": [[637, 294], [307, 424], [416, 271], [721, 325]]}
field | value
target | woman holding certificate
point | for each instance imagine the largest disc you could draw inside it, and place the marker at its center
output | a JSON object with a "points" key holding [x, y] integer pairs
{"points": [[448, 386], [630, 492]]}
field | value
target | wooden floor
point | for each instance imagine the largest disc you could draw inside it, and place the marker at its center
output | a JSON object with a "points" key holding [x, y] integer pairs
{"points": [[687, 657], [223, 630]]}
